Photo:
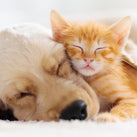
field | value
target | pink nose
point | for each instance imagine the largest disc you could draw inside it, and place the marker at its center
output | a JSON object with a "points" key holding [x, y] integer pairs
{"points": [[88, 60]]}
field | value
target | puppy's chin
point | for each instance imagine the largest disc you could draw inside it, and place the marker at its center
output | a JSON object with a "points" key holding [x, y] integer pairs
{"points": [[7, 115]]}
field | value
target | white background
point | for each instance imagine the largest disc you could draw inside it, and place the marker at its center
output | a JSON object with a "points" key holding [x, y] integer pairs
{"points": [[17, 11]]}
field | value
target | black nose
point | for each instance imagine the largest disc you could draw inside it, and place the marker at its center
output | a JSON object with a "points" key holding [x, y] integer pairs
{"points": [[77, 110]]}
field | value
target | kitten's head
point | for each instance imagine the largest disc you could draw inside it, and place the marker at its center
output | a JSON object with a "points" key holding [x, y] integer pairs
{"points": [[92, 47]]}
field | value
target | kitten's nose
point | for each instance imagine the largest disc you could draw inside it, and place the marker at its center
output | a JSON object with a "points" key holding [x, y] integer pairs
{"points": [[77, 110], [88, 60]]}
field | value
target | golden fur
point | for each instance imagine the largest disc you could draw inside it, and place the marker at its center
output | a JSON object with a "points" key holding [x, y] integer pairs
{"points": [[95, 52], [36, 80]]}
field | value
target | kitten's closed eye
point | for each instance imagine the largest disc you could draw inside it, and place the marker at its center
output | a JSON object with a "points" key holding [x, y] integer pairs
{"points": [[100, 49], [78, 47]]}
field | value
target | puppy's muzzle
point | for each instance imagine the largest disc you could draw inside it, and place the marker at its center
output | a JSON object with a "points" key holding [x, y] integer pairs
{"points": [[77, 110]]}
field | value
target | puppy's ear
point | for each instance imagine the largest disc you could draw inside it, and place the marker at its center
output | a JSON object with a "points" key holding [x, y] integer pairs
{"points": [[6, 113], [2, 105]]}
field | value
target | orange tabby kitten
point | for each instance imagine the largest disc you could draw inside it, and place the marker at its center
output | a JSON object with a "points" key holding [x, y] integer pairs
{"points": [[95, 52]]}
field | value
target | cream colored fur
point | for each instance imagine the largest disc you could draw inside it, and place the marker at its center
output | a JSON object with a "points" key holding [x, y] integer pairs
{"points": [[36, 80]]}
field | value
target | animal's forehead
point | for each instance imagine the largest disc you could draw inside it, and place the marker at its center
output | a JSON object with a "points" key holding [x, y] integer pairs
{"points": [[89, 28], [93, 44]]}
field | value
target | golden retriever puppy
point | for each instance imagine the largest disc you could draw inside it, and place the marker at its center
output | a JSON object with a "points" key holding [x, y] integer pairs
{"points": [[36, 79]]}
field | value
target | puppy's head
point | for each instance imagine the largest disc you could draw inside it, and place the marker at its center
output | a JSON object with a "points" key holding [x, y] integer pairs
{"points": [[36, 80]]}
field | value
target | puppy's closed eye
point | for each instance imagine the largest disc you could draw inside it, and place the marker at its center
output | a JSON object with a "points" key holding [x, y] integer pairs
{"points": [[27, 91], [22, 95], [21, 92]]}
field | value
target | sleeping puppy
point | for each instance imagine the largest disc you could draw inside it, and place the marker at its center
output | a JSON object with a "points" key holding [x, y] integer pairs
{"points": [[36, 79]]}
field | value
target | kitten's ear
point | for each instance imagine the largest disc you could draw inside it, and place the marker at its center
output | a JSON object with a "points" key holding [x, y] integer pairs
{"points": [[58, 25], [121, 29]]}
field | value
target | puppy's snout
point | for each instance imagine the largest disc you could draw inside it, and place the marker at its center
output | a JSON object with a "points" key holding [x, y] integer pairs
{"points": [[77, 110]]}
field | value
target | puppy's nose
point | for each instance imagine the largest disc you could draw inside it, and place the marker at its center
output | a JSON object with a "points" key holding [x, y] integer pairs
{"points": [[77, 110]]}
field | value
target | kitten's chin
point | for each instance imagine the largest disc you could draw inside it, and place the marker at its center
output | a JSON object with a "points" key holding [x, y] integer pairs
{"points": [[87, 72]]}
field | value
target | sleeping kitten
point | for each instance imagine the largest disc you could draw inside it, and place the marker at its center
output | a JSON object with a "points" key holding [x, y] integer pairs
{"points": [[95, 52]]}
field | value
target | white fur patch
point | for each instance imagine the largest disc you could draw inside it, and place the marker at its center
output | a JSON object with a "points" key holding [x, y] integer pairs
{"points": [[80, 64], [111, 55]]}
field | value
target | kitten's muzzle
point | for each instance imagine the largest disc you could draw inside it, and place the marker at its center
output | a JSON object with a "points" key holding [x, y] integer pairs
{"points": [[77, 110]]}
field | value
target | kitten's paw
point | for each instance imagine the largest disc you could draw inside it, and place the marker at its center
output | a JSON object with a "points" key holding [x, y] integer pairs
{"points": [[106, 117]]}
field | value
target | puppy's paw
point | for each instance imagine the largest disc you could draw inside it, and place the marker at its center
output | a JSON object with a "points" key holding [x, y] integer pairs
{"points": [[106, 117], [65, 69], [51, 66]]}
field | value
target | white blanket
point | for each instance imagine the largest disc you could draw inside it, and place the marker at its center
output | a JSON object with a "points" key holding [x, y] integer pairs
{"points": [[68, 129]]}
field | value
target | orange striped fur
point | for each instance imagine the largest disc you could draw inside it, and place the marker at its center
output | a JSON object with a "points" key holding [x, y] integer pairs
{"points": [[95, 51]]}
